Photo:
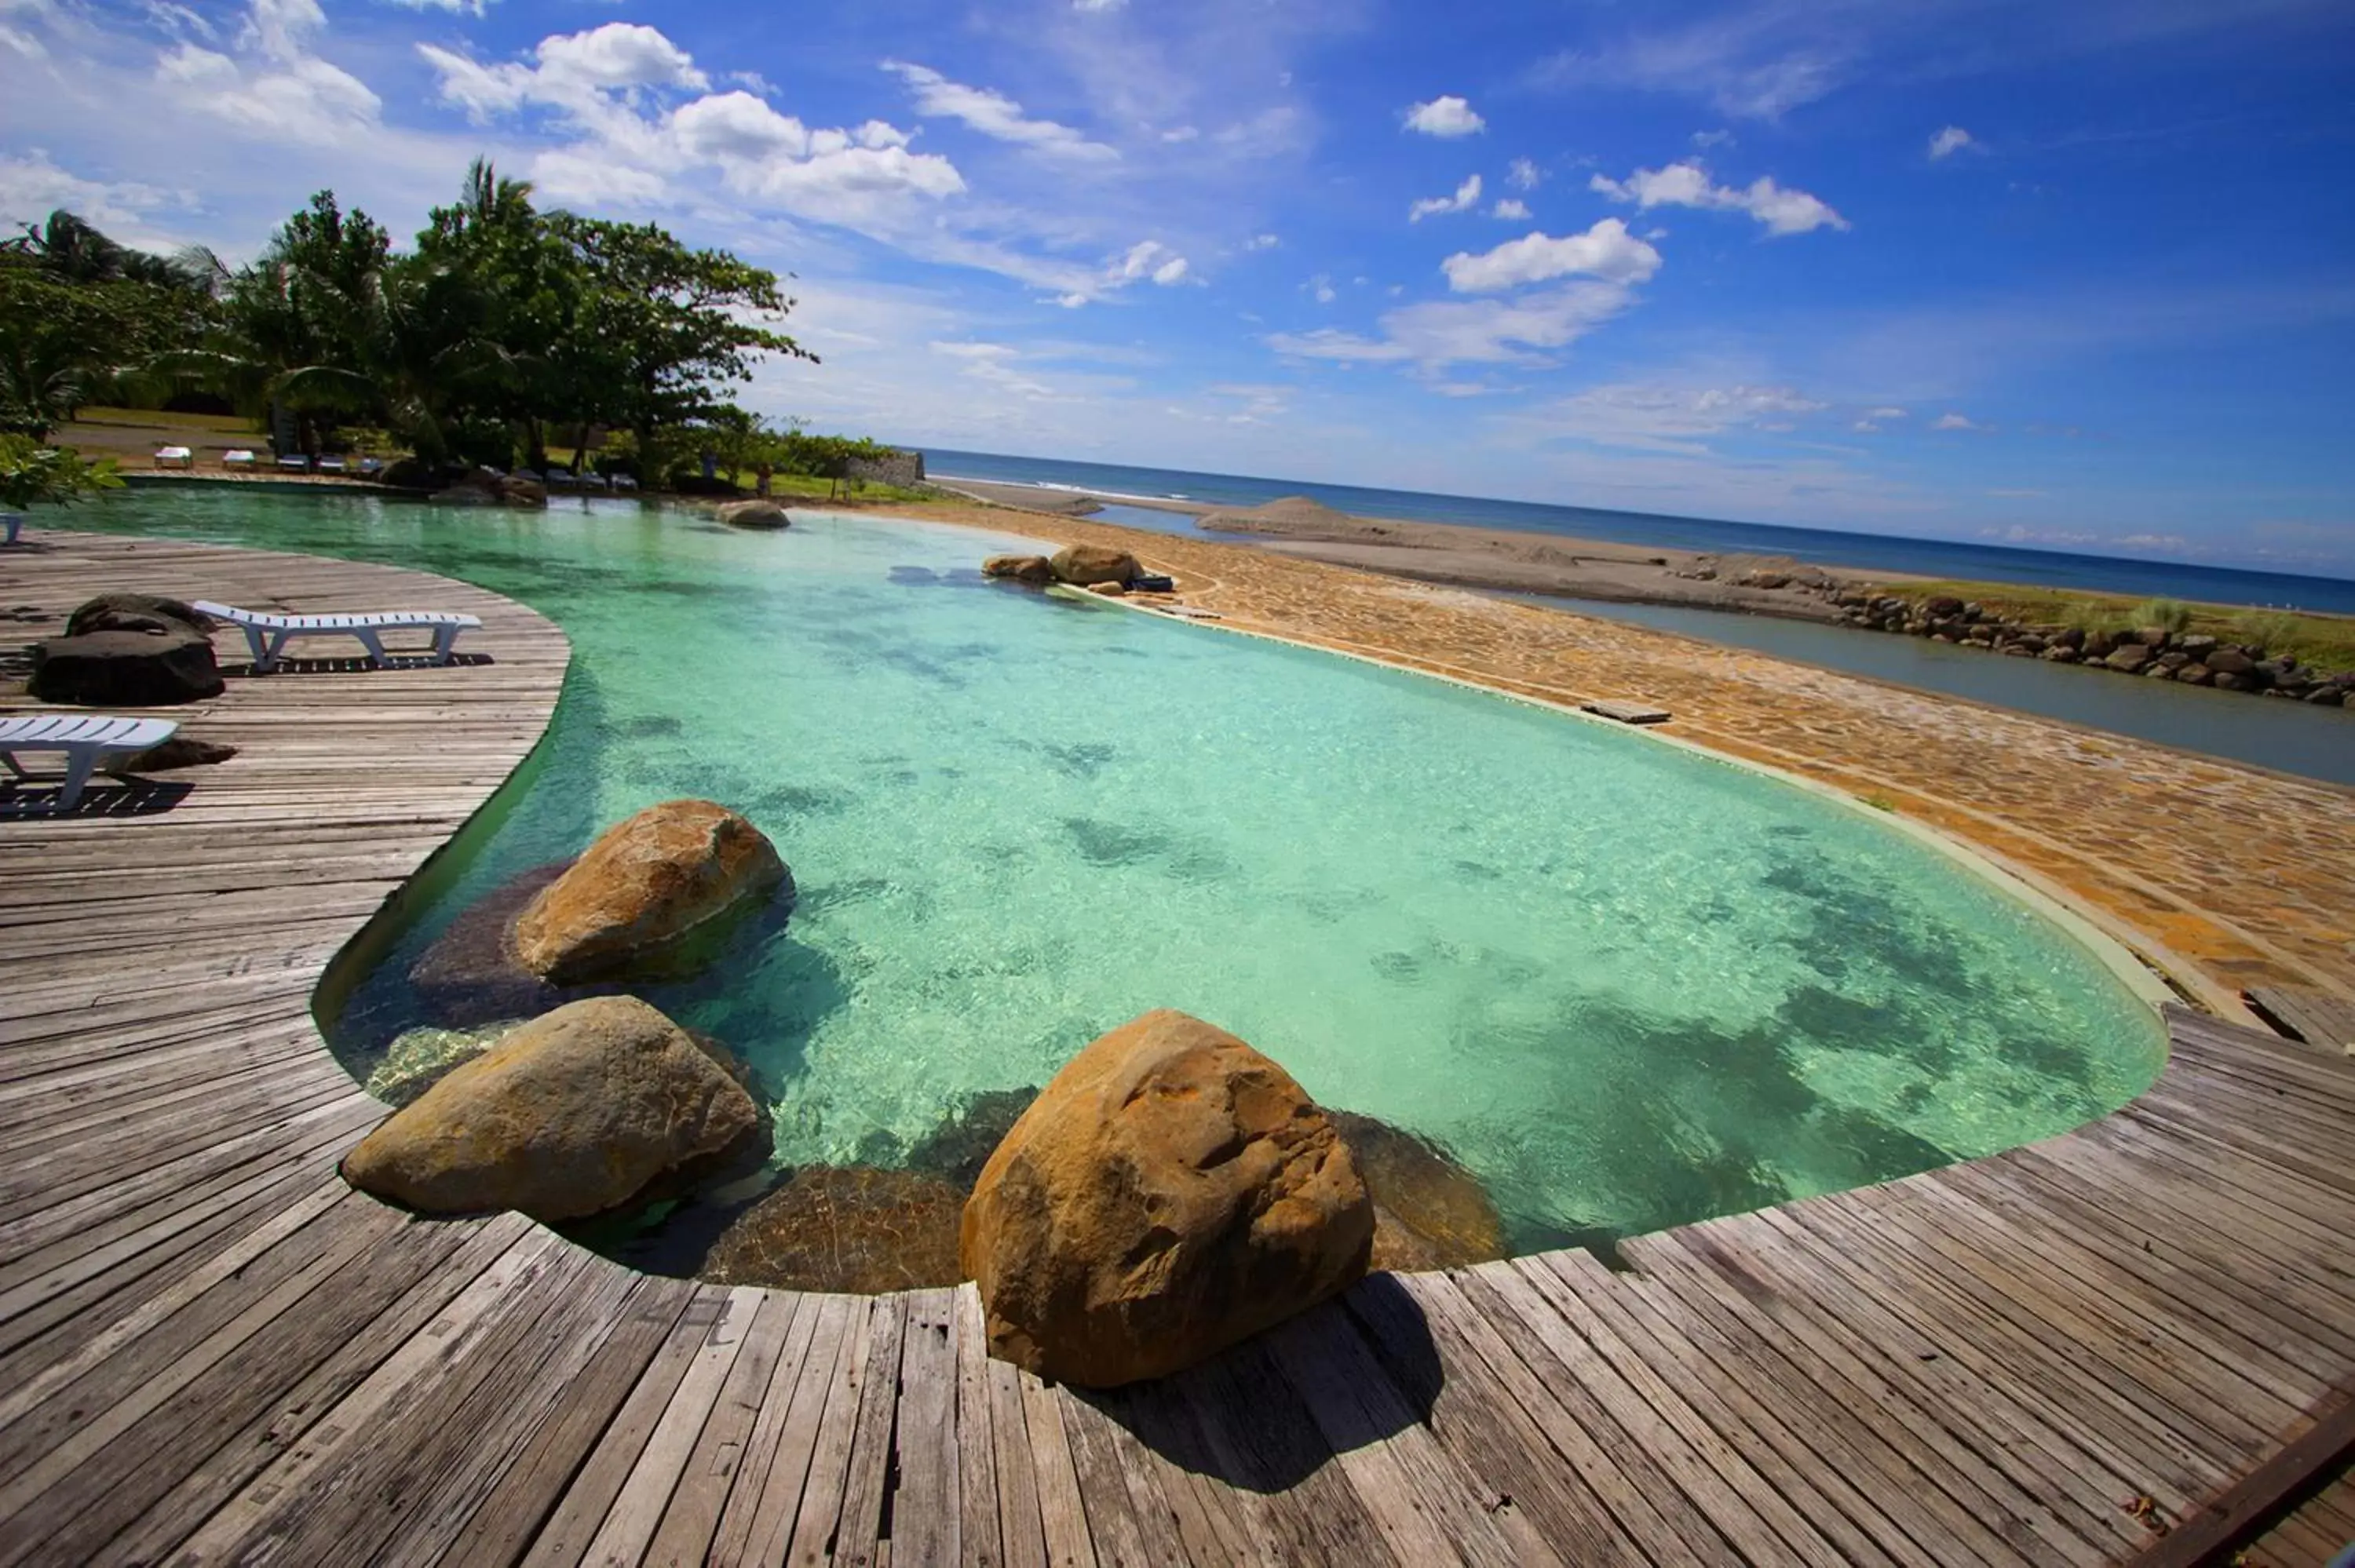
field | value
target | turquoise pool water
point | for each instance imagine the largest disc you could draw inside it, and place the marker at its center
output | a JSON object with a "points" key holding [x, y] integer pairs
{"points": [[1626, 985]]}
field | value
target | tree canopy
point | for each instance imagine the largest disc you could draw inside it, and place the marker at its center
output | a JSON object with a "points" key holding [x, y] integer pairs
{"points": [[504, 326]]}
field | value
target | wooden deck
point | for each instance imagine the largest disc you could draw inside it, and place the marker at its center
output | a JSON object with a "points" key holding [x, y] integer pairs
{"points": [[211, 1350]]}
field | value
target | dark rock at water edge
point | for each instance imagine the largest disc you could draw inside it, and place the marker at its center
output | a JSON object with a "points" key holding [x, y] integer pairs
{"points": [[1429, 1212], [126, 669], [470, 974], [844, 1228], [955, 1151]]}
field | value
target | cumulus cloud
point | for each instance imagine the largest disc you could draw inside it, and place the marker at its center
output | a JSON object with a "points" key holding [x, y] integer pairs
{"points": [[1262, 242], [608, 83], [1512, 209], [1467, 196], [1781, 211], [1875, 417], [1446, 117], [32, 186], [1523, 175], [1606, 251], [993, 114], [1949, 142], [1956, 422]]}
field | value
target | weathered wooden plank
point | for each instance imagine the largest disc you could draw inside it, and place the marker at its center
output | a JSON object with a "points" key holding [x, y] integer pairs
{"points": [[866, 1488], [928, 1509], [813, 1523], [757, 1525], [978, 1534]]}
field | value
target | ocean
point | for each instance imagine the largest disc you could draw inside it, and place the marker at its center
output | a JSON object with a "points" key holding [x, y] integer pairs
{"points": [[1871, 552]]}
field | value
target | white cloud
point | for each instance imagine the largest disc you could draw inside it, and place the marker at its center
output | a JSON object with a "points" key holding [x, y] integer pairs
{"points": [[1875, 417], [1956, 422], [1444, 117], [1466, 196], [1477, 332], [1320, 289], [274, 83], [32, 187], [1512, 209], [1523, 175], [1097, 7], [456, 8], [1606, 251], [1150, 258], [1649, 416], [1262, 242], [1950, 141], [1707, 138], [993, 114], [606, 85], [1687, 183]]}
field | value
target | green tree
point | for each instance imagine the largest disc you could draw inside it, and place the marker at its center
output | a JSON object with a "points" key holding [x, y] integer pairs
{"points": [[31, 473]]}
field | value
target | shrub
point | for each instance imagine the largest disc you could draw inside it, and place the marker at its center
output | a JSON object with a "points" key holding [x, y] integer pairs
{"points": [[2271, 629], [2168, 614], [31, 473]]}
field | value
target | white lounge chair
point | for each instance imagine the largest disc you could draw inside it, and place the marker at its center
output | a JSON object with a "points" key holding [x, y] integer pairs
{"points": [[294, 462], [174, 457], [331, 465], [87, 739], [240, 457], [268, 635]]}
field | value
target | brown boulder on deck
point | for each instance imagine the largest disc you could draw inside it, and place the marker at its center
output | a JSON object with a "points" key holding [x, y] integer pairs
{"points": [[570, 1114], [1083, 565], [1171, 1193], [644, 886]]}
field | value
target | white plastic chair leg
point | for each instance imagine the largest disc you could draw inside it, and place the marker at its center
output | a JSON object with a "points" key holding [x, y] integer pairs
{"points": [[79, 763], [373, 642]]}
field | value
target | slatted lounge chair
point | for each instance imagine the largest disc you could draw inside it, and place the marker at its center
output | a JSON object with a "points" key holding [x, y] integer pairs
{"points": [[292, 463], [331, 465], [10, 522], [87, 739], [242, 457], [370, 467], [268, 635], [174, 457]]}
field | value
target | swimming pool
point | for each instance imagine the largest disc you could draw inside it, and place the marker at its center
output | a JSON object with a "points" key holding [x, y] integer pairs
{"points": [[1626, 985]]}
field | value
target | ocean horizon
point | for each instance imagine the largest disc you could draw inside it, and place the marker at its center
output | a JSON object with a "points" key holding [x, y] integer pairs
{"points": [[1824, 547]]}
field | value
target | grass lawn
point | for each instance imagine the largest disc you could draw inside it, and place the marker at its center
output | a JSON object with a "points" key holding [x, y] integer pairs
{"points": [[2326, 641]]}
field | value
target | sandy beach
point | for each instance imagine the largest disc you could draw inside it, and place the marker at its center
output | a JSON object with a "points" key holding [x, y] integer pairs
{"points": [[1497, 559]]}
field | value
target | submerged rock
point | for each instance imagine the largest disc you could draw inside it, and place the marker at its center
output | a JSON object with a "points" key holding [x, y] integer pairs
{"points": [[645, 885], [594, 1106], [1171, 1193], [958, 1149], [1083, 565], [470, 974], [1429, 1212], [754, 514], [850, 1228], [419, 1059]]}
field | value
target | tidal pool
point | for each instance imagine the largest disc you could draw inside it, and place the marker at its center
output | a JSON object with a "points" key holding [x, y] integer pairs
{"points": [[1626, 985]]}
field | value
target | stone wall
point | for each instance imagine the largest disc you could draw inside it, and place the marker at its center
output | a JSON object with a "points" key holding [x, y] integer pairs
{"points": [[2152, 652], [904, 469]]}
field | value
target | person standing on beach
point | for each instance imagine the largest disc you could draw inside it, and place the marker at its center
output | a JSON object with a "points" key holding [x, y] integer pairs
{"points": [[761, 477]]}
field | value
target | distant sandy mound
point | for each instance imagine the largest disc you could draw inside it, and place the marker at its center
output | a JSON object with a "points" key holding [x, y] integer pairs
{"points": [[1291, 514]]}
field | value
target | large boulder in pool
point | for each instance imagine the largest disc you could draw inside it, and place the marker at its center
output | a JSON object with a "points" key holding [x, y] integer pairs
{"points": [[1429, 1212], [571, 1115], [1171, 1193], [126, 669], [645, 888], [755, 515], [1036, 570], [854, 1228], [1082, 566]]}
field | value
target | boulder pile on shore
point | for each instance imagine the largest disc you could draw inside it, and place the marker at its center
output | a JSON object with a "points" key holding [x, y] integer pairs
{"points": [[2156, 652]]}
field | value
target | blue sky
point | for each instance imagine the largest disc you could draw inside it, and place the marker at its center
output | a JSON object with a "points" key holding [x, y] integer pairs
{"points": [[2080, 276]]}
